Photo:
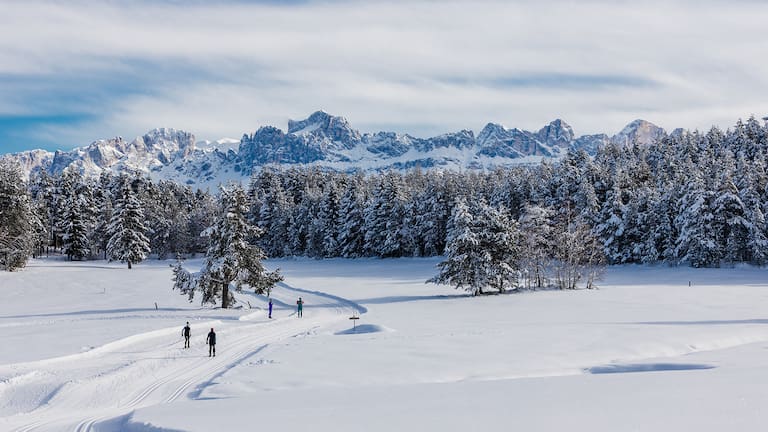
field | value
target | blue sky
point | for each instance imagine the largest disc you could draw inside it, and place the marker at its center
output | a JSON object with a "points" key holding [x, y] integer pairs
{"points": [[74, 72]]}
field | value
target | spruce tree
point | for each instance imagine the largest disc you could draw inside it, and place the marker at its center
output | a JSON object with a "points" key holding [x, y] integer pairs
{"points": [[537, 245], [697, 244], [232, 256], [17, 219], [499, 238], [730, 225], [351, 234], [127, 241], [482, 251], [78, 222], [464, 261]]}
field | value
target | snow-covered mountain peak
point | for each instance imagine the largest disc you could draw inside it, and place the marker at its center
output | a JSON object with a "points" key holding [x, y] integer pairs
{"points": [[556, 133], [156, 148], [320, 122], [325, 140], [491, 130], [326, 132], [316, 120], [167, 144], [641, 131]]}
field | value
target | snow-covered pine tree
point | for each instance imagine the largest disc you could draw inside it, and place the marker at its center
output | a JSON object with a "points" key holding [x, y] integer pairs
{"points": [[127, 241], [384, 216], [300, 223], [586, 203], [102, 197], [731, 227], [499, 238], [636, 226], [78, 219], [351, 235], [749, 180], [697, 244], [16, 218], [464, 262], [64, 189], [167, 209], [76, 231], [482, 251], [202, 215], [328, 216], [536, 242], [183, 280], [41, 188], [611, 227], [272, 215], [433, 209], [654, 223], [315, 228], [231, 255]]}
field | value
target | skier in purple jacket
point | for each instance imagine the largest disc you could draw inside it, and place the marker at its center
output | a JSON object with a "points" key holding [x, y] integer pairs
{"points": [[270, 308]]}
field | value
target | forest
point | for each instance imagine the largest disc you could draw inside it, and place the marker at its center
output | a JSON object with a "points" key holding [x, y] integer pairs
{"points": [[691, 198]]}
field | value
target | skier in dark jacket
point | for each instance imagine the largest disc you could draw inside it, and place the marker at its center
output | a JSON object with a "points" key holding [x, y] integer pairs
{"points": [[300, 307], [270, 308], [186, 332], [211, 341]]}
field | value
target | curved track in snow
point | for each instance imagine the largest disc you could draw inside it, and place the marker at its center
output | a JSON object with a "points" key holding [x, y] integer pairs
{"points": [[77, 392]]}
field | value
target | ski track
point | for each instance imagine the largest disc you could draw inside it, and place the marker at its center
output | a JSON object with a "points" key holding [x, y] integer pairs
{"points": [[153, 371]]}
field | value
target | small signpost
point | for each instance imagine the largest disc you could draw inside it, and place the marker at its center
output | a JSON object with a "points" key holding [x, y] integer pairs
{"points": [[354, 319]]}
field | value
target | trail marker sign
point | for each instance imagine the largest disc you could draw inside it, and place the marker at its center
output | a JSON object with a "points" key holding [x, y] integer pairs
{"points": [[354, 319]]}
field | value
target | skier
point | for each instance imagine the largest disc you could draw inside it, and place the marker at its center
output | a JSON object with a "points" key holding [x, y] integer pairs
{"points": [[186, 331], [270, 308], [300, 307], [211, 341]]}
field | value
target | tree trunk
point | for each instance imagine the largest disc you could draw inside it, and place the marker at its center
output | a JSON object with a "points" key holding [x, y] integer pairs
{"points": [[224, 295], [129, 264]]}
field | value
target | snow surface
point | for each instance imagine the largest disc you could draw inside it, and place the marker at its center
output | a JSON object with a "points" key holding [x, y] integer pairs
{"points": [[655, 349]]}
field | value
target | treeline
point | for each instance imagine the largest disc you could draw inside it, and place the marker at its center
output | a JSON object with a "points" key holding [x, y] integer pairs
{"points": [[692, 198], [122, 217]]}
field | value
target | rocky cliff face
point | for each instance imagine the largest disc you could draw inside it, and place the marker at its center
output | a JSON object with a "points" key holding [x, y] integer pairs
{"points": [[330, 141], [156, 148]]}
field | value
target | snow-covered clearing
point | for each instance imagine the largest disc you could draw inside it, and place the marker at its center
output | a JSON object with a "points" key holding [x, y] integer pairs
{"points": [[85, 348]]}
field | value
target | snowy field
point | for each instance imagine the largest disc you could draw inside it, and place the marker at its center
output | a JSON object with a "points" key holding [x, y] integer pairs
{"points": [[94, 346]]}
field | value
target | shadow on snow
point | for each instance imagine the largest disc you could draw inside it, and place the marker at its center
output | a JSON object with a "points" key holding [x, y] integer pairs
{"points": [[647, 367], [95, 312], [705, 322]]}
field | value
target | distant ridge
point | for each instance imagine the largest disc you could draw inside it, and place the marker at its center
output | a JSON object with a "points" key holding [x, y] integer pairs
{"points": [[324, 140]]}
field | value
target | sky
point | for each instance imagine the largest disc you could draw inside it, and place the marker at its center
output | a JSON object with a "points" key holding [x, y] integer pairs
{"points": [[72, 72]]}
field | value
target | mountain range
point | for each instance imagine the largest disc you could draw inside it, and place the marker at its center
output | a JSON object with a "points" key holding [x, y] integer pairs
{"points": [[327, 141]]}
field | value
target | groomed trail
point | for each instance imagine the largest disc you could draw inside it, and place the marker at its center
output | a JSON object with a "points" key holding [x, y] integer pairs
{"points": [[78, 392]]}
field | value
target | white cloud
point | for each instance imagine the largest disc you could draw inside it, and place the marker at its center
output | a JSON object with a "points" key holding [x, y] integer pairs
{"points": [[421, 67]]}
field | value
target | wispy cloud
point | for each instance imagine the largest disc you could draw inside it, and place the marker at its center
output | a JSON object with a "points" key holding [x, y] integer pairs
{"points": [[77, 71], [555, 81]]}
